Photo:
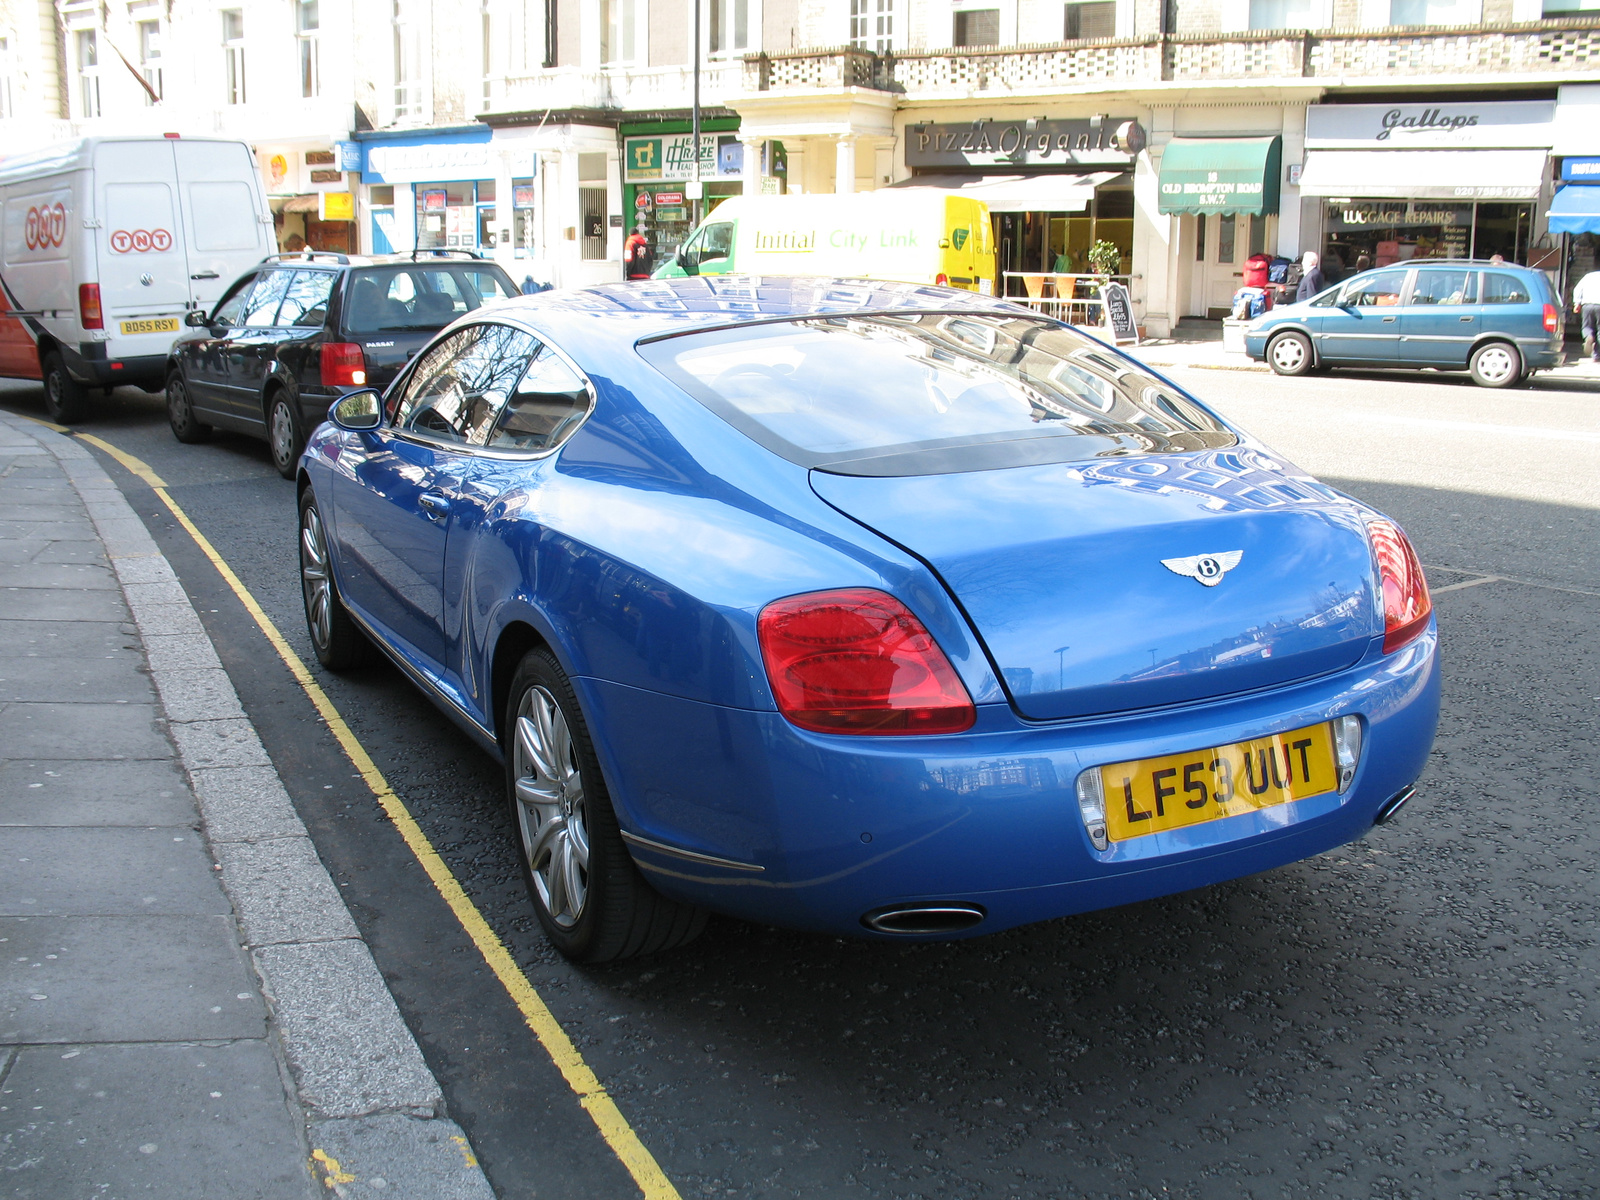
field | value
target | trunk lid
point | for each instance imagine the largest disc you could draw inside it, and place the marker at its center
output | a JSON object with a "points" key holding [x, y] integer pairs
{"points": [[1060, 570]]}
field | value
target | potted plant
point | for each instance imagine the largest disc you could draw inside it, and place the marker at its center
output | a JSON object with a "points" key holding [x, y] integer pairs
{"points": [[1104, 259]]}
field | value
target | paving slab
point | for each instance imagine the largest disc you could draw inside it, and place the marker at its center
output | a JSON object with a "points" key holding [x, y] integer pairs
{"points": [[397, 1158], [57, 575], [125, 979], [225, 743], [49, 531], [245, 804], [171, 1122], [68, 639], [140, 792], [202, 695], [69, 552], [56, 730], [60, 604], [95, 871], [51, 678], [282, 892]]}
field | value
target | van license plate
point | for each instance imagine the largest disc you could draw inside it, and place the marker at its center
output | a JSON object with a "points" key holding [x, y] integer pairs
{"points": [[155, 325], [1154, 794]]}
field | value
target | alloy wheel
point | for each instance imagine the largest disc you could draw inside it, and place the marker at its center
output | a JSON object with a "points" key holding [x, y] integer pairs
{"points": [[314, 577], [551, 813], [282, 432]]}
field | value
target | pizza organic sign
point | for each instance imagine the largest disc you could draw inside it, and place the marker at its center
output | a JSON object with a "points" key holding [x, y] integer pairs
{"points": [[1033, 143]]}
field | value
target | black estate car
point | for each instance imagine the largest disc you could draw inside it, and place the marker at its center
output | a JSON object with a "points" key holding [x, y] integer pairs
{"points": [[299, 330]]}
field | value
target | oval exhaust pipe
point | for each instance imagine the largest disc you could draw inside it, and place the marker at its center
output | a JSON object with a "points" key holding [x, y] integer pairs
{"points": [[1394, 804], [924, 918]]}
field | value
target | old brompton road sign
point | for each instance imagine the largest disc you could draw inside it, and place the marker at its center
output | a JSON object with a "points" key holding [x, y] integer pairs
{"points": [[1104, 141]]}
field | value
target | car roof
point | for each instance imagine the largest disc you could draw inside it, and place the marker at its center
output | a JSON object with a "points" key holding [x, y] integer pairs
{"points": [[332, 261], [657, 307]]}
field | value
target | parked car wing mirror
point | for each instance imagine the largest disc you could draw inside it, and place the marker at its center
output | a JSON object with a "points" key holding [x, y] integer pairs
{"points": [[686, 262], [196, 318], [357, 411]]}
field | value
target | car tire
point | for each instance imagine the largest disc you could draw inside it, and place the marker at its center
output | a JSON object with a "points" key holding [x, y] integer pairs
{"points": [[339, 644], [594, 904], [1290, 354], [1496, 365], [285, 432], [186, 427], [65, 399]]}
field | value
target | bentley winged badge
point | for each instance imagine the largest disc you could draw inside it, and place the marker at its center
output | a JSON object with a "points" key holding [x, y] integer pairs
{"points": [[1207, 568]]}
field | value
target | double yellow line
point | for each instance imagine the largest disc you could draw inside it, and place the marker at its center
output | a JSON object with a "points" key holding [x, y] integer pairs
{"points": [[592, 1095]]}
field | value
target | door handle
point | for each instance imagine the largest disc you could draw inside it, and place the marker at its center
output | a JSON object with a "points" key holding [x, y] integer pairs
{"points": [[1463, 318], [435, 505], [206, 275], [1386, 320]]}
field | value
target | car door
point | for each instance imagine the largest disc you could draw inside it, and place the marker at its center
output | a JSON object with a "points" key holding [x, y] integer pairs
{"points": [[1440, 320], [396, 486], [1363, 324], [250, 346], [205, 363]]}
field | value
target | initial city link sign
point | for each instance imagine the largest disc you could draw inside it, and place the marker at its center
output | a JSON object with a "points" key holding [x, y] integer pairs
{"points": [[1113, 141]]}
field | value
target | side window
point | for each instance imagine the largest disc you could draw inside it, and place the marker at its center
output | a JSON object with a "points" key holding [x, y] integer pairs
{"points": [[718, 241], [1503, 289], [440, 300], [460, 387], [1445, 287], [227, 312], [1378, 290], [490, 285], [262, 306], [549, 403], [305, 303]]}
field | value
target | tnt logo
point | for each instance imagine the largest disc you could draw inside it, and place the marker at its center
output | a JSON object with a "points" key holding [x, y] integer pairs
{"points": [[45, 227], [140, 241]]}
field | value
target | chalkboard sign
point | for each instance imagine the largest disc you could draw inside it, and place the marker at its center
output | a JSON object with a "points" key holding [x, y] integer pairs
{"points": [[1119, 313]]}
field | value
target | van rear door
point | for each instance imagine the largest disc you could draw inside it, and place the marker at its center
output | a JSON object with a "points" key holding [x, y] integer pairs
{"points": [[223, 210], [143, 274]]}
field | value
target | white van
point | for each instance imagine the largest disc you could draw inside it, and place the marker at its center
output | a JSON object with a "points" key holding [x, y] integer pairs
{"points": [[106, 243]]}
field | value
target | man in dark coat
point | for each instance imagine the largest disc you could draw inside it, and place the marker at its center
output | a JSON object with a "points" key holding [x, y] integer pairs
{"points": [[1312, 280]]}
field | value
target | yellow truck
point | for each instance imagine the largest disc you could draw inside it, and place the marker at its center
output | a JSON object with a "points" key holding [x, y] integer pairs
{"points": [[918, 235]]}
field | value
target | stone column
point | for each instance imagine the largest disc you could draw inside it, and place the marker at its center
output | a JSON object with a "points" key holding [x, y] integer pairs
{"points": [[752, 164], [795, 154], [844, 165]]}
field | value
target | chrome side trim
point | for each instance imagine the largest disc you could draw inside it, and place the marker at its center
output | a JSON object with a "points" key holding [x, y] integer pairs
{"points": [[710, 860], [411, 672]]}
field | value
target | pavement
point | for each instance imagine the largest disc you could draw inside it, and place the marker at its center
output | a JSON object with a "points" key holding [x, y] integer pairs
{"points": [[186, 1006]]}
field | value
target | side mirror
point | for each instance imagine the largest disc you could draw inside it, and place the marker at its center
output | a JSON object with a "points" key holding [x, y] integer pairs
{"points": [[686, 262], [196, 318], [358, 412]]}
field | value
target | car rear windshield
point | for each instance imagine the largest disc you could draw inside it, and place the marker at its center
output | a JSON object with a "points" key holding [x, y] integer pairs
{"points": [[426, 296], [922, 394]]}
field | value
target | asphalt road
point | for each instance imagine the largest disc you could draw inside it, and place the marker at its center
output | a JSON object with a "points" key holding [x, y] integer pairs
{"points": [[1411, 1016]]}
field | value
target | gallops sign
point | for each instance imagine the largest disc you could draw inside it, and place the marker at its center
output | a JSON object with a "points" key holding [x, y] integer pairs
{"points": [[45, 227]]}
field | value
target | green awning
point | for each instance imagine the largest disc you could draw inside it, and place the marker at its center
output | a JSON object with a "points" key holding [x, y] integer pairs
{"points": [[1221, 175]]}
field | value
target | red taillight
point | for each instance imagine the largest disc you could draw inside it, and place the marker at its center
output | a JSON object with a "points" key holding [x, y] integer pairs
{"points": [[343, 365], [1552, 319], [89, 315], [1406, 603], [856, 660], [941, 280]]}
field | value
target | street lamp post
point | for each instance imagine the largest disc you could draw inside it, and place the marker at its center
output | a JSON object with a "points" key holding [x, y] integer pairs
{"points": [[695, 187]]}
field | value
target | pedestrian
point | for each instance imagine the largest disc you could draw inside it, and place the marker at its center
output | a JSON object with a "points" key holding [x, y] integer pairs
{"points": [[1312, 280], [1497, 260], [637, 256], [529, 287], [1363, 263], [1586, 303]]}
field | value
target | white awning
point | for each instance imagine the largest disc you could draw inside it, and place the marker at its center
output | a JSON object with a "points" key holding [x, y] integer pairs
{"points": [[1020, 193], [1424, 174]]}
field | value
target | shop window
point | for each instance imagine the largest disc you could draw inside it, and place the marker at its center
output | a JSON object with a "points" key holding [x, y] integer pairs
{"points": [[872, 25], [1435, 12], [1091, 19], [1284, 14], [446, 216], [977, 27], [1503, 289], [728, 26], [149, 43], [233, 56], [616, 32], [86, 42], [308, 32], [522, 223], [592, 206]]}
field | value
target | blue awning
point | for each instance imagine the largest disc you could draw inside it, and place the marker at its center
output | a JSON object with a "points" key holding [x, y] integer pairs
{"points": [[1576, 209]]}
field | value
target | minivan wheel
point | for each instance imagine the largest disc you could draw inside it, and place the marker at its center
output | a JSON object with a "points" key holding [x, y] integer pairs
{"points": [[186, 427], [1290, 353], [594, 904], [1496, 365], [65, 399], [284, 433]]}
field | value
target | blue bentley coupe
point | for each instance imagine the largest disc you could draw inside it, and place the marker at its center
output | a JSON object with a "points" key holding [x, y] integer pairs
{"points": [[862, 608]]}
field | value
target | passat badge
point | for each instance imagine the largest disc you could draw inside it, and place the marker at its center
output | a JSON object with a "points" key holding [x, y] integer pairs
{"points": [[1207, 568]]}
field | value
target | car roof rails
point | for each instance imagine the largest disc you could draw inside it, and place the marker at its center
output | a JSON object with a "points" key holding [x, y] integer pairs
{"points": [[308, 256], [417, 255]]}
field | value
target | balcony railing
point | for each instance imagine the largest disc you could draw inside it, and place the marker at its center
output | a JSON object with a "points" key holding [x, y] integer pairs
{"points": [[1567, 45], [618, 87]]}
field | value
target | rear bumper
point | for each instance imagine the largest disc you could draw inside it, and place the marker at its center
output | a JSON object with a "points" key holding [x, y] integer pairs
{"points": [[841, 826], [90, 364]]}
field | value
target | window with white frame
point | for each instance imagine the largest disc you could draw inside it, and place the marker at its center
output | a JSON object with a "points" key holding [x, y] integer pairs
{"points": [[1568, 8], [233, 56], [308, 35], [7, 69], [976, 27], [407, 60], [149, 29], [1090, 19], [1435, 12], [617, 32], [86, 58], [1283, 14], [728, 26], [872, 25]]}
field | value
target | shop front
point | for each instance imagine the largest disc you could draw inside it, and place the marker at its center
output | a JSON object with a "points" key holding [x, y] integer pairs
{"points": [[1224, 192], [310, 192], [440, 190], [658, 163], [1441, 180], [1055, 188]]}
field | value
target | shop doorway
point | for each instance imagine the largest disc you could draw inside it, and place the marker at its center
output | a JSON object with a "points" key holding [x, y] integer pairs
{"points": [[1058, 242], [1221, 242]]}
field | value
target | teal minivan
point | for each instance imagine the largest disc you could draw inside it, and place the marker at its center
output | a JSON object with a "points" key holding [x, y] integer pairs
{"points": [[1497, 321]]}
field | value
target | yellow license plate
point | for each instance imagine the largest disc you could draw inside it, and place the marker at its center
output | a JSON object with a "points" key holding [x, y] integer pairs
{"points": [[1154, 794], [156, 325]]}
